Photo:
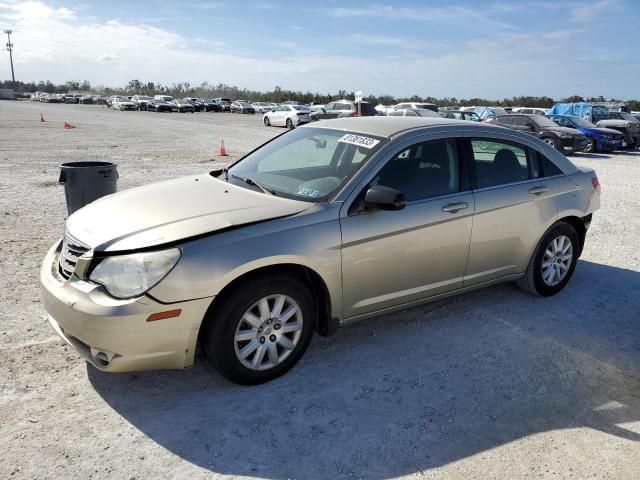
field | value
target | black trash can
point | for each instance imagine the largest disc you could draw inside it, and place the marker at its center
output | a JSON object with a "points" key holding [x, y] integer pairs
{"points": [[85, 182]]}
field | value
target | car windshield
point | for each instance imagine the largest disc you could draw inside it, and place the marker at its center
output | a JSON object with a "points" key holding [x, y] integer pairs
{"points": [[628, 116], [308, 164], [542, 121], [499, 111], [141, 97], [581, 122], [300, 108]]}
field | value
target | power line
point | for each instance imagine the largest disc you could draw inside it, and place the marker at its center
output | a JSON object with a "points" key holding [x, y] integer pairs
{"points": [[10, 48]]}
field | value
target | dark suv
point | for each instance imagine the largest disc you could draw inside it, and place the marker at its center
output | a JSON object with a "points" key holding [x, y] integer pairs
{"points": [[566, 140], [344, 108]]}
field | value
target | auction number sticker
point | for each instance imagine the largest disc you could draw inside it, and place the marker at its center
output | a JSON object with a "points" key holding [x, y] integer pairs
{"points": [[359, 140]]}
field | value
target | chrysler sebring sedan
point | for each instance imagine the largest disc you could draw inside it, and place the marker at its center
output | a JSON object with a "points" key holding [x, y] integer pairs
{"points": [[324, 225]]}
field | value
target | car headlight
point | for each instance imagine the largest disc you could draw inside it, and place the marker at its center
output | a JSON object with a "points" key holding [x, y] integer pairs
{"points": [[127, 276]]}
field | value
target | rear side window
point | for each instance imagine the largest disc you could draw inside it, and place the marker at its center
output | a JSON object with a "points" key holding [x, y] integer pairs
{"points": [[543, 166], [499, 162]]}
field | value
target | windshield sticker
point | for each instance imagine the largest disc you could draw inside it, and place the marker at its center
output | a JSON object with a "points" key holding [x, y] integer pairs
{"points": [[307, 192], [360, 141]]}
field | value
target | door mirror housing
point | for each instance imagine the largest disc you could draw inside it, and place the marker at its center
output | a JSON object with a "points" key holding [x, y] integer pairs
{"points": [[380, 197]]}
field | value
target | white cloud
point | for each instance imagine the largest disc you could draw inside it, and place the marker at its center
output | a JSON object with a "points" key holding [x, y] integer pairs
{"points": [[107, 57], [586, 13]]}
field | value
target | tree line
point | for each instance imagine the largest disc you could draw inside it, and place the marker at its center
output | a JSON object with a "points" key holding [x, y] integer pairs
{"points": [[279, 94]]}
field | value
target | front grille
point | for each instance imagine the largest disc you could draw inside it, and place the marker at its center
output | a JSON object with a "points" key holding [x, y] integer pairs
{"points": [[71, 250]]}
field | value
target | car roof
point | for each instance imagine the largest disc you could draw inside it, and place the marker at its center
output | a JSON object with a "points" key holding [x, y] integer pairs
{"points": [[385, 126]]}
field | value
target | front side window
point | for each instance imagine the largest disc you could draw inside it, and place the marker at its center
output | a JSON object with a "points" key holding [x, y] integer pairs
{"points": [[307, 164], [499, 162], [423, 170]]}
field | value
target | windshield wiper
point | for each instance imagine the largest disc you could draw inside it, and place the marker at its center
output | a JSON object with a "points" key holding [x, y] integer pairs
{"points": [[252, 182]]}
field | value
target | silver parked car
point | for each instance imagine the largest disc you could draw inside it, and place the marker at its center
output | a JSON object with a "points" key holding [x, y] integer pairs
{"points": [[326, 224]]}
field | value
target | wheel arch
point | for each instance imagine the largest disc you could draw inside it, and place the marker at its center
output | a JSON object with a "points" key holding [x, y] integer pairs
{"points": [[326, 324], [580, 225]]}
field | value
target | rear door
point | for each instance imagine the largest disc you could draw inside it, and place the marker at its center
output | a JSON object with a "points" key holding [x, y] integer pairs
{"points": [[515, 204], [392, 258]]}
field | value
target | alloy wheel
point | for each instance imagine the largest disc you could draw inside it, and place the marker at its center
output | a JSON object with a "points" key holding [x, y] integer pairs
{"points": [[557, 260], [268, 332]]}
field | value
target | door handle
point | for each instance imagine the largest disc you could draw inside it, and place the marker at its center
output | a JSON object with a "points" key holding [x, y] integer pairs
{"points": [[455, 207], [538, 190]]}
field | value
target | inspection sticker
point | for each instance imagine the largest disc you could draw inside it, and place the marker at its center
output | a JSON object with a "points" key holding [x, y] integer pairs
{"points": [[358, 140]]}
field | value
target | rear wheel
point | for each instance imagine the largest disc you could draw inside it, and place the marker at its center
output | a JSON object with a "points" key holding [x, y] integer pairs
{"points": [[261, 330], [553, 262]]}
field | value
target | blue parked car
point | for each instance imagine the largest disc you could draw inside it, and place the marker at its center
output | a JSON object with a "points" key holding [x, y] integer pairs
{"points": [[600, 139]]}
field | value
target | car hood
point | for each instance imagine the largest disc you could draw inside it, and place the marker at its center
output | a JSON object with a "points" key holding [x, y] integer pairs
{"points": [[600, 131], [570, 131], [173, 210], [613, 123]]}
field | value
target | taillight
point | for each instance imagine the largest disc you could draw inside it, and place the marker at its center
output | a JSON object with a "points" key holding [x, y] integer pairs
{"points": [[595, 183]]}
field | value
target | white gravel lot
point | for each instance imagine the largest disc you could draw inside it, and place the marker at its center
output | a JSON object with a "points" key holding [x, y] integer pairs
{"points": [[494, 384]]}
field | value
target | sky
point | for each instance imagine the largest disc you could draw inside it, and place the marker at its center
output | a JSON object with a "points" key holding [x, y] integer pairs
{"points": [[462, 49]]}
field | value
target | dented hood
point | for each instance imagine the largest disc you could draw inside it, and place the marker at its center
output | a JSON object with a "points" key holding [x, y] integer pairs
{"points": [[173, 210]]}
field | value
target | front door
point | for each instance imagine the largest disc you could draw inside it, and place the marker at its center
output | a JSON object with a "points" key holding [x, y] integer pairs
{"points": [[392, 258]]}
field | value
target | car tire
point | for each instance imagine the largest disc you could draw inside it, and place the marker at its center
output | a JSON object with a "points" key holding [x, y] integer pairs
{"points": [[289, 124], [591, 145], [226, 335], [551, 142], [549, 269], [267, 122]]}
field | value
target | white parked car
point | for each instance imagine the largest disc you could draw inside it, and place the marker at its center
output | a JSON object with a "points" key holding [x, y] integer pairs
{"points": [[262, 107], [382, 109], [287, 116], [122, 103], [413, 105]]}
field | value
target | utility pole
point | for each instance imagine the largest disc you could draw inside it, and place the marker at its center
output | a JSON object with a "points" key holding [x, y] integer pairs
{"points": [[10, 48]]}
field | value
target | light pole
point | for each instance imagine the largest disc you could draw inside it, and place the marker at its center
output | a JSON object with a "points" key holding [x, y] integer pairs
{"points": [[10, 48]]}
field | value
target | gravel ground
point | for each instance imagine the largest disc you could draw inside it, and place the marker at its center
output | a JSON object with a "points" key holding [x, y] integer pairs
{"points": [[494, 384]]}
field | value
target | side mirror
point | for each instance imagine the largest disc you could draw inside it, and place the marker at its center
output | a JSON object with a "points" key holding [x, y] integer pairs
{"points": [[380, 197]]}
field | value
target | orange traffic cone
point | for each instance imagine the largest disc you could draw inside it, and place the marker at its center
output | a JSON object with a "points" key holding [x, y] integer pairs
{"points": [[42, 118], [223, 152], [68, 125]]}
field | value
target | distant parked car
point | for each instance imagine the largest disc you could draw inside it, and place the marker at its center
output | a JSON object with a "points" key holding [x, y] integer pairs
{"points": [[626, 124], [211, 105], [140, 102], [166, 98], [344, 108], [242, 107], [288, 116], [488, 112], [159, 105], [565, 140], [382, 109], [530, 110], [198, 105], [262, 107], [225, 104], [123, 103], [86, 99], [599, 139], [70, 99], [420, 105], [460, 115], [413, 112], [182, 106]]}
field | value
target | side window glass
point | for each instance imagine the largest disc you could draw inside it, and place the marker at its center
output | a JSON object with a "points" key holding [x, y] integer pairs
{"points": [[424, 170], [547, 167], [499, 162]]}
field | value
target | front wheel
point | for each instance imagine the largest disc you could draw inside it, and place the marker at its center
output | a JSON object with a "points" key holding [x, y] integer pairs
{"points": [[267, 122], [591, 145], [261, 330], [550, 141], [553, 262]]}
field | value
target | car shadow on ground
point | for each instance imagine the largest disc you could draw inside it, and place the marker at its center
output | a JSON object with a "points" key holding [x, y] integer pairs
{"points": [[410, 391]]}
